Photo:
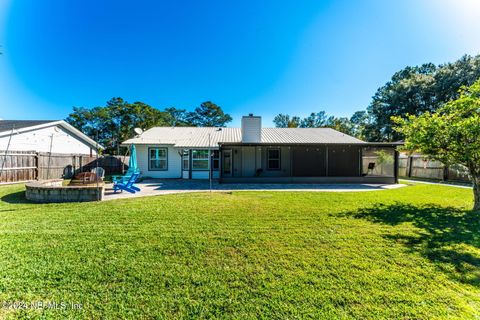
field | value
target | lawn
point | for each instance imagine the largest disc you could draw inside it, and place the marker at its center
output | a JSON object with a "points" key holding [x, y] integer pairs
{"points": [[412, 252]]}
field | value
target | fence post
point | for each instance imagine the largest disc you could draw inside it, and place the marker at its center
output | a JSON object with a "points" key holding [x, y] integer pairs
{"points": [[37, 169], [445, 173], [410, 160]]}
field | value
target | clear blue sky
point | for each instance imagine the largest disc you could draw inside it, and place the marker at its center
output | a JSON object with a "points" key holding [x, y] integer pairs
{"points": [[265, 57]]}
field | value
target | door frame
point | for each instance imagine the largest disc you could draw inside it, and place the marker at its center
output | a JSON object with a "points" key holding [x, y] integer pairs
{"points": [[230, 153]]}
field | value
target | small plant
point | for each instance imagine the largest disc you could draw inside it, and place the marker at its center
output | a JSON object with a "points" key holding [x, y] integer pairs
{"points": [[383, 157]]}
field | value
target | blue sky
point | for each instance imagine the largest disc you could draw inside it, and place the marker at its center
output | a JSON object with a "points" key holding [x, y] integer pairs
{"points": [[263, 57]]}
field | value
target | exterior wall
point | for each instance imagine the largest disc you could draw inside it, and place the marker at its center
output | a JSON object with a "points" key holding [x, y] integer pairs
{"points": [[297, 161], [39, 141], [247, 160], [174, 166], [284, 163]]}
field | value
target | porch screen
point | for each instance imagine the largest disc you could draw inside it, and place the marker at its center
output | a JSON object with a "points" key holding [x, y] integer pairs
{"points": [[308, 161]]}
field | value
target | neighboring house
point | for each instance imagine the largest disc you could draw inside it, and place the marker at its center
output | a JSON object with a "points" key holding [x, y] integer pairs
{"points": [[54, 136], [255, 154]]}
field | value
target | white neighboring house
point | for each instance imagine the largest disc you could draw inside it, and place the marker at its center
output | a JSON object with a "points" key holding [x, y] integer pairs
{"points": [[56, 136]]}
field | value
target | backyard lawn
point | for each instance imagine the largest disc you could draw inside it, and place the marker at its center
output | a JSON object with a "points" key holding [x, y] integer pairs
{"points": [[412, 252]]}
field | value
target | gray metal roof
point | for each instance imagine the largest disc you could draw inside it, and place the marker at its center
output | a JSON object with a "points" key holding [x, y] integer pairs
{"points": [[7, 125], [199, 137]]}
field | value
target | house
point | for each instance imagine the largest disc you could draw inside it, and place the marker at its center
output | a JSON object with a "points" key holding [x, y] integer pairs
{"points": [[56, 136], [270, 155]]}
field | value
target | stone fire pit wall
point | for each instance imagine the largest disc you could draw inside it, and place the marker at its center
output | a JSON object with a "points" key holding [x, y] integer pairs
{"points": [[53, 191]]}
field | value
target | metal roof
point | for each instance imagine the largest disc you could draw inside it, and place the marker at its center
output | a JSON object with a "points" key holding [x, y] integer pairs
{"points": [[8, 125], [199, 136]]}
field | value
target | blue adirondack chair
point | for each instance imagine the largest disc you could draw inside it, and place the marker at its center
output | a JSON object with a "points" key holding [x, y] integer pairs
{"points": [[132, 167], [128, 186]]}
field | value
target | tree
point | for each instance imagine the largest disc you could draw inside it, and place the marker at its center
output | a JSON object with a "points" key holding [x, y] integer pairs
{"points": [[450, 135], [360, 123], [415, 90], [115, 122], [284, 121], [410, 90], [177, 117], [208, 115], [315, 120], [341, 124]]}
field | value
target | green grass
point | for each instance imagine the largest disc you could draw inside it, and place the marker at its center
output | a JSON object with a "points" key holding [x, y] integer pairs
{"points": [[413, 252]]}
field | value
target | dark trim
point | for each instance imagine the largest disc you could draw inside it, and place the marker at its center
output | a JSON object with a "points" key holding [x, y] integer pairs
{"points": [[395, 166], [268, 158], [360, 160], [149, 160], [220, 165], [189, 163]]}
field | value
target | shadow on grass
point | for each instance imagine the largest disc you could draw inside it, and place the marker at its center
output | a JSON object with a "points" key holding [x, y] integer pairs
{"points": [[15, 198], [449, 237]]}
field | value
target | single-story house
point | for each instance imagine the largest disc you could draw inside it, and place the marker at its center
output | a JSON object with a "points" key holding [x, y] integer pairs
{"points": [[56, 136], [270, 155]]}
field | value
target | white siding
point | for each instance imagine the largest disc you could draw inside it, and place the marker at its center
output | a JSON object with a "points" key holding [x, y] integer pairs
{"points": [[174, 162], [185, 174], [39, 140]]}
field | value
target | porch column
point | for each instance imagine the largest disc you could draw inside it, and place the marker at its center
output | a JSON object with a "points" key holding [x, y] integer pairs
{"points": [[189, 163], [395, 165]]}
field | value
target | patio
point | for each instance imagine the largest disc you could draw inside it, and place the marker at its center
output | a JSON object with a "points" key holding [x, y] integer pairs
{"points": [[156, 187]]}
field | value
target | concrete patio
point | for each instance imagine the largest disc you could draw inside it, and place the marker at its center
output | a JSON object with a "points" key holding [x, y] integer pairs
{"points": [[156, 187]]}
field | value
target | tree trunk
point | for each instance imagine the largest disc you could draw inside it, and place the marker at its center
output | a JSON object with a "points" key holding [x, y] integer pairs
{"points": [[476, 192]]}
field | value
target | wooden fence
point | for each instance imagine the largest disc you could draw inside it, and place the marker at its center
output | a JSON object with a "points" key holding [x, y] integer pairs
{"points": [[16, 166], [418, 166]]}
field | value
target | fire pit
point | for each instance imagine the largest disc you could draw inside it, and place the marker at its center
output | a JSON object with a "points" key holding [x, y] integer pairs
{"points": [[53, 190], [86, 179]]}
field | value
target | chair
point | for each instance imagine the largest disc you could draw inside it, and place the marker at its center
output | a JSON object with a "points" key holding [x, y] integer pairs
{"points": [[99, 171], [371, 167], [125, 177], [127, 186]]}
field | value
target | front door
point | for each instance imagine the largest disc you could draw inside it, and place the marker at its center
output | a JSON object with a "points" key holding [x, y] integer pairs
{"points": [[226, 163]]}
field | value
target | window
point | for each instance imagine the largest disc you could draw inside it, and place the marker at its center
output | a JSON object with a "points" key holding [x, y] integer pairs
{"points": [[157, 159], [273, 159], [185, 159], [215, 160], [199, 159]]}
